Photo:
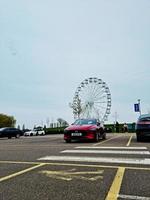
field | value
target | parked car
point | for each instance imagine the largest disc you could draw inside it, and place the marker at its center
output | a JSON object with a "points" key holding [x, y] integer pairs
{"points": [[39, 130], [85, 129], [25, 130], [35, 131], [142, 127], [10, 132], [30, 133]]}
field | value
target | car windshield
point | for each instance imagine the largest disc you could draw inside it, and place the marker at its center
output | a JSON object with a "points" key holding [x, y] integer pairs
{"points": [[84, 121], [38, 129]]}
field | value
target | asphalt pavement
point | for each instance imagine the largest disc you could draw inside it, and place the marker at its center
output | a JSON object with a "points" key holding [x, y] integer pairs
{"points": [[47, 168]]}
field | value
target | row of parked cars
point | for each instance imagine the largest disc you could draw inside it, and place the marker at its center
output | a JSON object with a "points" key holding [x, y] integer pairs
{"points": [[35, 131], [14, 132], [82, 129], [92, 129]]}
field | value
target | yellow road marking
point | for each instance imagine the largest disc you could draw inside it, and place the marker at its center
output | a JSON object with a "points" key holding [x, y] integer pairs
{"points": [[129, 141], [19, 162], [115, 187], [77, 165], [106, 140], [72, 174], [20, 172]]}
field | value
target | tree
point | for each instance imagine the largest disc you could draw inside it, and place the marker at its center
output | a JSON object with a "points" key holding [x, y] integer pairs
{"points": [[77, 109], [47, 122], [18, 127], [62, 122], [7, 121], [23, 127]]}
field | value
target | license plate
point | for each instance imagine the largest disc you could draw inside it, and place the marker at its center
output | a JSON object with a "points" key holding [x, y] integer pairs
{"points": [[76, 134]]}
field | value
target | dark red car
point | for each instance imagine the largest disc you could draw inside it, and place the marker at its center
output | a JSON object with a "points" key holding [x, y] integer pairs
{"points": [[85, 129]]}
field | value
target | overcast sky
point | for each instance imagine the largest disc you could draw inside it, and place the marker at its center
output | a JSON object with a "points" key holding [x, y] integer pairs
{"points": [[48, 47]]}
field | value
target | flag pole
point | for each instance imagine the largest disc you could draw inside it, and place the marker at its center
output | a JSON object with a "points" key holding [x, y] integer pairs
{"points": [[139, 102]]}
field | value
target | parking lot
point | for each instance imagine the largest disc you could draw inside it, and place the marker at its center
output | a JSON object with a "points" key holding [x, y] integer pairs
{"points": [[47, 168]]}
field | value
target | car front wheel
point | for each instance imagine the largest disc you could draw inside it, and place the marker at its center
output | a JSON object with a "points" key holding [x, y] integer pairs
{"points": [[17, 135], [138, 138], [104, 136], [96, 137]]}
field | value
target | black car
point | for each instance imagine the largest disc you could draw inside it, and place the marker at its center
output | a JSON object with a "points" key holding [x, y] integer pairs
{"points": [[143, 127], [10, 132]]}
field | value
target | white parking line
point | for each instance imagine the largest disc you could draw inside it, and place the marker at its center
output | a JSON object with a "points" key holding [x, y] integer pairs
{"points": [[107, 152], [133, 197], [98, 159], [130, 148], [129, 142]]}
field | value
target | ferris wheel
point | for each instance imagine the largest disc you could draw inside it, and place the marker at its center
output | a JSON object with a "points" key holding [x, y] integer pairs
{"points": [[92, 99]]}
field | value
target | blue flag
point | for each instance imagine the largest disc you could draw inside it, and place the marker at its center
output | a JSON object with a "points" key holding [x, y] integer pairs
{"points": [[136, 107]]}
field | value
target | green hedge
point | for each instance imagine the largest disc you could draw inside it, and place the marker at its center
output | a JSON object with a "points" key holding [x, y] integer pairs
{"points": [[57, 130]]}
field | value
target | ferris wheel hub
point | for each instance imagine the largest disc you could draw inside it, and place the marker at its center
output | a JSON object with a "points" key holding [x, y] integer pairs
{"points": [[90, 103]]}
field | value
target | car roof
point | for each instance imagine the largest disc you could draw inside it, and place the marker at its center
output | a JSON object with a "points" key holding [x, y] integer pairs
{"points": [[144, 116], [7, 127]]}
